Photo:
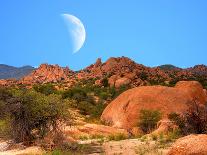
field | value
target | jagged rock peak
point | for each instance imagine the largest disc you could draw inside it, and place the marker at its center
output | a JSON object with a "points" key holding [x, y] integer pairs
{"points": [[98, 62]]}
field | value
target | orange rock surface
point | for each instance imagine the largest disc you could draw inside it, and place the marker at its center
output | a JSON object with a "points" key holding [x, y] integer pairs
{"points": [[47, 73], [123, 112], [190, 145]]}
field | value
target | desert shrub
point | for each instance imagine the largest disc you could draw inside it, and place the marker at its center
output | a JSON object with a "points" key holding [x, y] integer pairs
{"points": [[85, 102], [4, 129], [104, 95], [149, 120], [105, 82], [117, 137], [179, 120], [75, 93], [46, 89], [196, 118], [85, 107], [83, 137], [193, 121], [97, 110], [154, 137], [173, 135], [32, 115], [97, 136]]}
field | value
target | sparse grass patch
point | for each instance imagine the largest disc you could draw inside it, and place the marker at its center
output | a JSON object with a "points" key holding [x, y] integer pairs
{"points": [[148, 149], [149, 120], [83, 137], [143, 138], [154, 137], [96, 136], [117, 137], [173, 135], [72, 149]]}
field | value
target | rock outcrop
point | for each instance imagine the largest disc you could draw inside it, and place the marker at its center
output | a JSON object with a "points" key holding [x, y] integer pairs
{"points": [[47, 73], [190, 145], [123, 112], [119, 71]]}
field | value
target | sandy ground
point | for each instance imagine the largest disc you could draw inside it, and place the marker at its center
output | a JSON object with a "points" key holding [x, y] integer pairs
{"points": [[122, 147], [133, 147], [30, 151]]}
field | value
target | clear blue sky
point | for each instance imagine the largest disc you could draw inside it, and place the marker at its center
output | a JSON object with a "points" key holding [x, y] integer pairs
{"points": [[151, 32]]}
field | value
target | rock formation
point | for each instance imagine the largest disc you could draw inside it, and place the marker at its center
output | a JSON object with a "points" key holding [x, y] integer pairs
{"points": [[123, 112], [47, 73], [119, 71], [190, 145]]}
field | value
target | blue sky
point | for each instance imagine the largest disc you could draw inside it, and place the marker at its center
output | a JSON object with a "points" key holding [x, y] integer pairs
{"points": [[151, 32]]}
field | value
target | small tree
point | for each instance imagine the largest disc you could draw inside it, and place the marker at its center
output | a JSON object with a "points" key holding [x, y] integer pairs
{"points": [[196, 118], [193, 121], [149, 120], [33, 115]]}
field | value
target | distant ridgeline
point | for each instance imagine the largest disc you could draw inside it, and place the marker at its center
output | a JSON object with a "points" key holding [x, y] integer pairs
{"points": [[115, 72], [10, 72]]}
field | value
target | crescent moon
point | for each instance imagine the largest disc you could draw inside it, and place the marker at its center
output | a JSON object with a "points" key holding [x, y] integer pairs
{"points": [[76, 30]]}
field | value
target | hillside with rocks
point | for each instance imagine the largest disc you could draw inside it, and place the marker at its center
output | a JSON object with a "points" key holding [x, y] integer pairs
{"points": [[118, 71], [112, 107], [47, 74]]}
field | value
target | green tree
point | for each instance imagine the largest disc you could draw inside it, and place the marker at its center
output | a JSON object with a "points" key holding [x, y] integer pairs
{"points": [[149, 119], [31, 111]]}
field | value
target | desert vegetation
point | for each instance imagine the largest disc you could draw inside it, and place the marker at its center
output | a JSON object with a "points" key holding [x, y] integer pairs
{"points": [[194, 120], [39, 113], [28, 115], [149, 119]]}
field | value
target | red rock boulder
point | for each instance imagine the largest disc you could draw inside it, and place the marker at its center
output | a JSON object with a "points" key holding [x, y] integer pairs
{"points": [[190, 145], [123, 112]]}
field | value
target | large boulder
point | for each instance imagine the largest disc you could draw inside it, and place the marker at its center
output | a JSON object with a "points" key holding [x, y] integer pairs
{"points": [[123, 112], [190, 145]]}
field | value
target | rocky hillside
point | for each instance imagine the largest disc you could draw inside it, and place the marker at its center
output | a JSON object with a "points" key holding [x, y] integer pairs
{"points": [[124, 71], [8, 72], [47, 74], [117, 72]]}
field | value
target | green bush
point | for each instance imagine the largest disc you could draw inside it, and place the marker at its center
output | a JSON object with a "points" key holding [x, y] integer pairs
{"points": [[117, 137], [46, 89], [104, 82], [173, 135], [149, 120], [75, 93], [104, 95], [30, 111]]}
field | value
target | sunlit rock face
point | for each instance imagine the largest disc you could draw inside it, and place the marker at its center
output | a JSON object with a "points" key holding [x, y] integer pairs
{"points": [[123, 112], [47, 73]]}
